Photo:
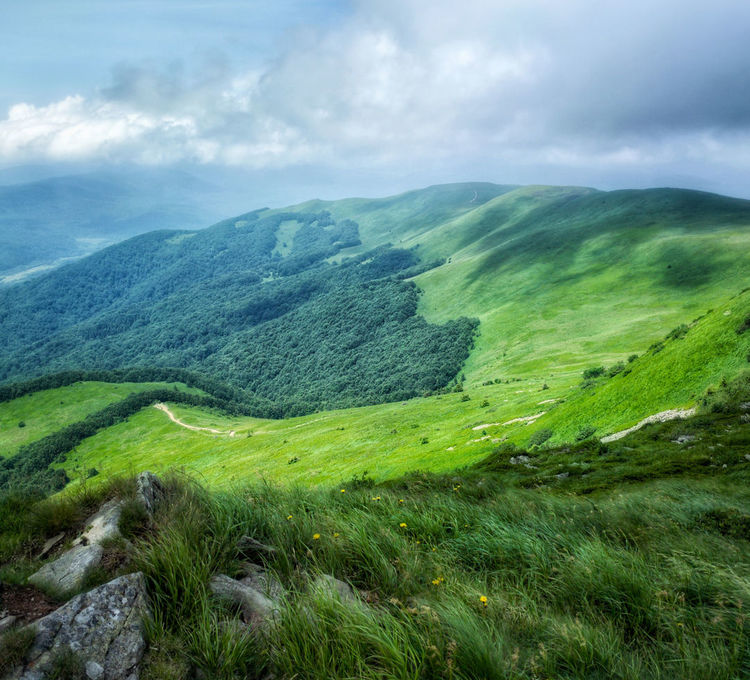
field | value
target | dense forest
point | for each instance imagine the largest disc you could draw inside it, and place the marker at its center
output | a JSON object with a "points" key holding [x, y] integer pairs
{"points": [[259, 302]]}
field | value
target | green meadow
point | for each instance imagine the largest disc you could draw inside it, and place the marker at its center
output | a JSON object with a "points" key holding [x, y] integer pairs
{"points": [[45, 412]]}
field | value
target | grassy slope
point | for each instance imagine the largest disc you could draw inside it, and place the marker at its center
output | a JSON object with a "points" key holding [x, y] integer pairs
{"points": [[50, 410], [574, 277], [387, 440], [561, 277]]}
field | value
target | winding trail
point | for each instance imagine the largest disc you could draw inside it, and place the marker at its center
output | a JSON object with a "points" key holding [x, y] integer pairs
{"points": [[175, 419], [662, 417]]}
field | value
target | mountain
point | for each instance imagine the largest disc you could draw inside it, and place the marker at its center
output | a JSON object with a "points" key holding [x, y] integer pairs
{"points": [[48, 221], [331, 304]]}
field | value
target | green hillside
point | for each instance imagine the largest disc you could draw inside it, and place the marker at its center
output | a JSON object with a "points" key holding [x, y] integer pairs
{"points": [[436, 433], [45, 412]]}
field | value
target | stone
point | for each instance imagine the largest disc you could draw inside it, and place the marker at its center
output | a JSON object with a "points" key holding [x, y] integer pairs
{"points": [[256, 577], [248, 544], [563, 475], [51, 543], [685, 439], [256, 607], [149, 490], [334, 586], [103, 525], [94, 670], [68, 571], [519, 460], [103, 628]]}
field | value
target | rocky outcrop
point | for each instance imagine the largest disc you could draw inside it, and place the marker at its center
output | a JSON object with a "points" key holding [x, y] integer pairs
{"points": [[255, 606], [102, 526], [149, 490], [68, 572], [102, 628]]}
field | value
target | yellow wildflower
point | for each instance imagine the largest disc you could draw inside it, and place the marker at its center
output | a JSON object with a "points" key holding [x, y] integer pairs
{"points": [[376, 498], [403, 525], [316, 537], [336, 535], [289, 517], [343, 490], [483, 600]]}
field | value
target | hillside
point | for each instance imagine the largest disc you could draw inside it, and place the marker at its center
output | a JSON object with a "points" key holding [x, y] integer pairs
{"points": [[560, 278], [45, 222]]}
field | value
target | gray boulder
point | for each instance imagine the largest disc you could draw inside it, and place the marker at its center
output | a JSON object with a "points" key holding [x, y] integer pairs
{"points": [[68, 571], [103, 628], [256, 607], [149, 490], [103, 525], [330, 584], [256, 577]]}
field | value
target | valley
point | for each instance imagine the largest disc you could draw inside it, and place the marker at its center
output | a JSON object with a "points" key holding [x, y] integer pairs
{"points": [[513, 421]]}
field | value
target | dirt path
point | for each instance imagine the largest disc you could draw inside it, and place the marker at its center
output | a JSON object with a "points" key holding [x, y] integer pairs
{"points": [[662, 417], [174, 419]]}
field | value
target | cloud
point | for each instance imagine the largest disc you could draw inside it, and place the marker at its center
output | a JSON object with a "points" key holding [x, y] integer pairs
{"points": [[498, 84]]}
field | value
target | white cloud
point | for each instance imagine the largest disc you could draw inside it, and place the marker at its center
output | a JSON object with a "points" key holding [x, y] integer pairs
{"points": [[501, 84]]}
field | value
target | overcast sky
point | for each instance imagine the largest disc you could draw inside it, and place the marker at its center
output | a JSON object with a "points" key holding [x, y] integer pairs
{"points": [[346, 97]]}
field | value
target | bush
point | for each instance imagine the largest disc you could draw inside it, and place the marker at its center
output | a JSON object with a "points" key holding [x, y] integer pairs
{"points": [[21, 424], [619, 367], [593, 372], [632, 358], [539, 437], [585, 433]]}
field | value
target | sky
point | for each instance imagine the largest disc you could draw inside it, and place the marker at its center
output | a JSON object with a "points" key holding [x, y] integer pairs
{"points": [[349, 97]]}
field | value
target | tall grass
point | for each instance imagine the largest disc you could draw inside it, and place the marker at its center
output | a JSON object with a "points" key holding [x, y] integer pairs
{"points": [[632, 585]]}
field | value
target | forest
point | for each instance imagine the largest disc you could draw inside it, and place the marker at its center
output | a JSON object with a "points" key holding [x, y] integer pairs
{"points": [[259, 302]]}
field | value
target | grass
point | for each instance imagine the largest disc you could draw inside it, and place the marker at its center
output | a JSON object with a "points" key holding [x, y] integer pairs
{"points": [[436, 433], [50, 410], [631, 566]]}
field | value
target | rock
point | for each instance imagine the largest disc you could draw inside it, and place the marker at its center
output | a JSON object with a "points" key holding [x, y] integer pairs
{"points": [[68, 571], [103, 525], [747, 457], [94, 670], [255, 606], [262, 581], [334, 586], [149, 490], [563, 475], [6, 623], [685, 439], [51, 543], [519, 460], [103, 628]]}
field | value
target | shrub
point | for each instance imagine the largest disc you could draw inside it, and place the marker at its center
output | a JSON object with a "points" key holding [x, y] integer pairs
{"points": [[539, 437], [614, 370], [593, 372], [21, 424], [743, 326], [465, 397], [585, 433], [484, 403], [632, 358]]}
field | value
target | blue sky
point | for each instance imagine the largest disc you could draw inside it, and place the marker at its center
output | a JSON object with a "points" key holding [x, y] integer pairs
{"points": [[369, 97]]}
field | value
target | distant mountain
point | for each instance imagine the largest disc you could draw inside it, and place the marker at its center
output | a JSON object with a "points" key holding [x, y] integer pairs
{"points": [[328, 304], [45, 222]]}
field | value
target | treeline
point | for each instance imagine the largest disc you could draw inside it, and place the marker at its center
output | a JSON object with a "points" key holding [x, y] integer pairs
{"points": [[29, 468], [228, 394]]}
